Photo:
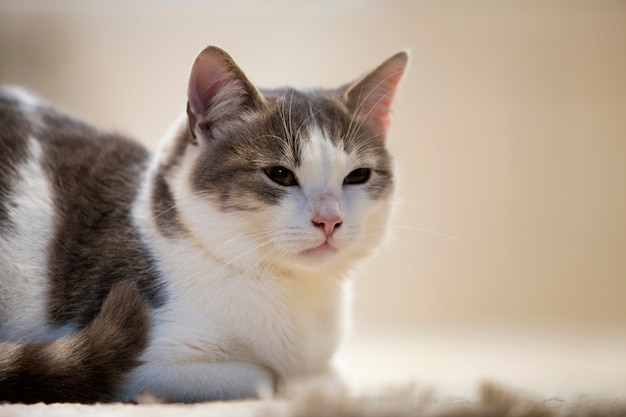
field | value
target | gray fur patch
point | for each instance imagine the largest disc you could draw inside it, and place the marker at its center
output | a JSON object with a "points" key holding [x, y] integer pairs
{"points": [[164, 208]]}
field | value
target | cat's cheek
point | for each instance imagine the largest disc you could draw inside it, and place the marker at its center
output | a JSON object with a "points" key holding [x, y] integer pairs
{"points": [[370, 219]]}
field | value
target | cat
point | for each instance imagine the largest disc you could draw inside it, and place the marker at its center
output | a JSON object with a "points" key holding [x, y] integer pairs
{"points": [[208, 270]]}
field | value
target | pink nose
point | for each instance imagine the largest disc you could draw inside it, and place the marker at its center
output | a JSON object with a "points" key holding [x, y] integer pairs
{"points": [[328, 224]]}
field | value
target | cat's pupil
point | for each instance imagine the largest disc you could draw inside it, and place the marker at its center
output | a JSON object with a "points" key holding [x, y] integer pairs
{"points": [[281, 175], [358, 176]]}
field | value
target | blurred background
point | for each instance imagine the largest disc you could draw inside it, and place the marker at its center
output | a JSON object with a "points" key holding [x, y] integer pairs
{"points": [[507, 259]]}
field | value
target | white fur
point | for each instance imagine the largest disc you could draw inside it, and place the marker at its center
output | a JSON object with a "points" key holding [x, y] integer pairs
{"points": [[23, 254], [28, 102], [245, 307]]}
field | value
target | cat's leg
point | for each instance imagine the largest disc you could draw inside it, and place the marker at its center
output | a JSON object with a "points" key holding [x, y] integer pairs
{"points": [[196, 382]]}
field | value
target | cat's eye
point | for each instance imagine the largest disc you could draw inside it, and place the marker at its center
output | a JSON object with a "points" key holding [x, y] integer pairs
{"points": [[358, 176], [281, 175]]}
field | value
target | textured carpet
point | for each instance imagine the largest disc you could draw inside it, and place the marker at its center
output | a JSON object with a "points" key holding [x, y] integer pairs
{"points": [[323, 400]]}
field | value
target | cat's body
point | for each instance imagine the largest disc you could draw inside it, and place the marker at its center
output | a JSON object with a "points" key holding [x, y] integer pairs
{"points": [[238, 232]]}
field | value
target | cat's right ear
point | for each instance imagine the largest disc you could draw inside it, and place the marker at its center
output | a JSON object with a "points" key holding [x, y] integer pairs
{"points": [[218, 92]]}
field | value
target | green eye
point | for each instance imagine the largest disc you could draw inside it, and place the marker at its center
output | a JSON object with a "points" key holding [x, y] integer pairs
{"points": [[281, 175], [358, 176]]}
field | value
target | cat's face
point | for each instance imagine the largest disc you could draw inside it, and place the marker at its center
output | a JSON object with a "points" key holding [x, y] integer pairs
{"points": [[304, 190], [289, 178]]}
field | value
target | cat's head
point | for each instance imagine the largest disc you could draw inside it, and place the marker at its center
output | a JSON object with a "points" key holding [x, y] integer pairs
{"points": [[299, 179]]}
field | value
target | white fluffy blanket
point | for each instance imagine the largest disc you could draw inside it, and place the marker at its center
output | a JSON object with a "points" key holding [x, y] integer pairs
{"points": [[323, 400]]}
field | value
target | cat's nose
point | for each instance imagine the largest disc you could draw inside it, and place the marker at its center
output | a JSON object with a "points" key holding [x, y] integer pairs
{"points": [[326, 213], [328, 225]]}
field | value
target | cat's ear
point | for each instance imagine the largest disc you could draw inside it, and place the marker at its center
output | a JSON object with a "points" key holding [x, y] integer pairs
{"points": [[218, 92], [370, 96]]}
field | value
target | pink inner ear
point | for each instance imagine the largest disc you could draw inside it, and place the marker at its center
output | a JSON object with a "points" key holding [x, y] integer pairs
{"points": [[372, 96], [377, 106], [218, 91], [381, 111], [384, 120], [209, 76]]}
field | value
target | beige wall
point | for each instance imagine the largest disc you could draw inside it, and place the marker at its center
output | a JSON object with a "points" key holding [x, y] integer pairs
{"points": [[510, 132]]}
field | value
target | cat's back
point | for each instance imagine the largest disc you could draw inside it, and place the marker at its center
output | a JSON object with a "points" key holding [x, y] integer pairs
{"points": [[63, 186], [32, 130], [64, 140]]}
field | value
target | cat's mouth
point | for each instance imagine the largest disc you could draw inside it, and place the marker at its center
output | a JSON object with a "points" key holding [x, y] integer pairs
{"points": [[323, 250]]}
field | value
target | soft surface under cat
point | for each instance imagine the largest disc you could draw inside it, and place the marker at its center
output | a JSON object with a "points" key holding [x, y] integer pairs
{"points": [[207, 270]]}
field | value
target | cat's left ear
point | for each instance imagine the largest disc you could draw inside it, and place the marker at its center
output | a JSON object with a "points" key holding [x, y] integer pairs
{"points": [[371, 96], [218, 93]]}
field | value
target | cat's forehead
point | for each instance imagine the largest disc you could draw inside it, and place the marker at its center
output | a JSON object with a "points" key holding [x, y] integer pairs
{"points": [[324, 163], [306, 119]]}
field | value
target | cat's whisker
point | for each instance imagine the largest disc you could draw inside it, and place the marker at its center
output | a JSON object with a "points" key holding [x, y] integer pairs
{"points": [[270, 136], [248, 235], [180, 201], [401, 261], [286, 128], [412, 246], [192, 257], [211, 270], [274, 252], [231, 263], [241, 255], [427, 231], [290, 135], [392, 238], [403, 203], [219, 253], [289, 139], [167, 210], [310, 116]]}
